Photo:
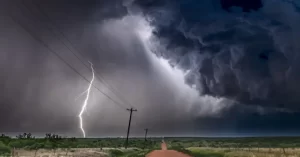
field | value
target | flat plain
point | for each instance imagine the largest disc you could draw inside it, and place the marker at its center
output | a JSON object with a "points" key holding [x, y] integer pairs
{"points": [[56, 146]]}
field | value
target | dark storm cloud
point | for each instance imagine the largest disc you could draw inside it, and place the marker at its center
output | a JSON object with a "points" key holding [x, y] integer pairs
{"points": [[246, 5], [232, 59], [248, 57]]}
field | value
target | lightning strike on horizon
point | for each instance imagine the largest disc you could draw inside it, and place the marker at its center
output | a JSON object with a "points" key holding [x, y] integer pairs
{"points": [[86, 101]]}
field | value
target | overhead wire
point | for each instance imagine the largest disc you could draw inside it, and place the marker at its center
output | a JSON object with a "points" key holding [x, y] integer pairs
{"points": [[98, 75], [62, 59]]}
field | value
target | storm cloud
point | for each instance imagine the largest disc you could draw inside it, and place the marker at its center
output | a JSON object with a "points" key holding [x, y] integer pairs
{"points": [[250, 57], [189, 67]]}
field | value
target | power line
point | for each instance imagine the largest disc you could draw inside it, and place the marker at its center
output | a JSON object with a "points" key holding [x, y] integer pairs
{"points": [[60, 58], [98, 75]]}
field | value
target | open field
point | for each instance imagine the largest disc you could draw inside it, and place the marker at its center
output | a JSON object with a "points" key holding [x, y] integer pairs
{"points": [[81, 152], [55, 146], [74, 152], [244, 152], [193, 151]]}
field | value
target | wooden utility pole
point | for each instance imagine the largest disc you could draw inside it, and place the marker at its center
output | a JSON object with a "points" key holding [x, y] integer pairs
{"points": [[146, 132], [128, 130]]}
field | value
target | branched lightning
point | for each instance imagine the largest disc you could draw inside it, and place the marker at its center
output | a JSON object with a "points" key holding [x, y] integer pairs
{"points": [[81, 95], [86, 101]]}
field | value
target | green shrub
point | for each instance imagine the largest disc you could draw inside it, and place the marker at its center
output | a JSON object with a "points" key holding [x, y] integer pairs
{"points": [[49, 145], [115, 153], [35, 146], [16, 144], [4, 149]]}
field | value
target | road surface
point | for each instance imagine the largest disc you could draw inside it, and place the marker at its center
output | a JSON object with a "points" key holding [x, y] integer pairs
{"points": [[164, 152]]}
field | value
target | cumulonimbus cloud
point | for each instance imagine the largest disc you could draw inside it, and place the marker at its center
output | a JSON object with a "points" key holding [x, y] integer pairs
{"points": [[251, 58]]}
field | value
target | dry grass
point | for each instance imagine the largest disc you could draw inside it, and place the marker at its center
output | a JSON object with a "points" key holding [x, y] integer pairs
{"points": [[251, 152], [73, 152]]}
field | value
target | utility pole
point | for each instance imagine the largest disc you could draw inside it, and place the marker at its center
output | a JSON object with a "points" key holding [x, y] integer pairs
{"points": [[128, 130], [146, 132]]}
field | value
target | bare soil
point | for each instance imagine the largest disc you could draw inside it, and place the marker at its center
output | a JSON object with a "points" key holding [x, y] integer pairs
{"points": [[164, 152]]}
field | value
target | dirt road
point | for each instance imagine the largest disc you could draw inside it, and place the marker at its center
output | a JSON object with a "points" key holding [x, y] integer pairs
{"points": [[164, 152]]}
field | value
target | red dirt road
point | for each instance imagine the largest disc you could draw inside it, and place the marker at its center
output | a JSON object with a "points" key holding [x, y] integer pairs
{"points": [[164, 152]]}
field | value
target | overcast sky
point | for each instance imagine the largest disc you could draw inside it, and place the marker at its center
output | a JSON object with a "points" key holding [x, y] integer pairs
{"points": [[189, 67]]}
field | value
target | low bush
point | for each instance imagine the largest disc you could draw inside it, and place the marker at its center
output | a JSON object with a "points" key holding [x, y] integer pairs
{"points": [[115, 153], [4, 150]]}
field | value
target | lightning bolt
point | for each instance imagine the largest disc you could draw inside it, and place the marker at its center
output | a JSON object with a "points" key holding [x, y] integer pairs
{"points": [[85, 101]]}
